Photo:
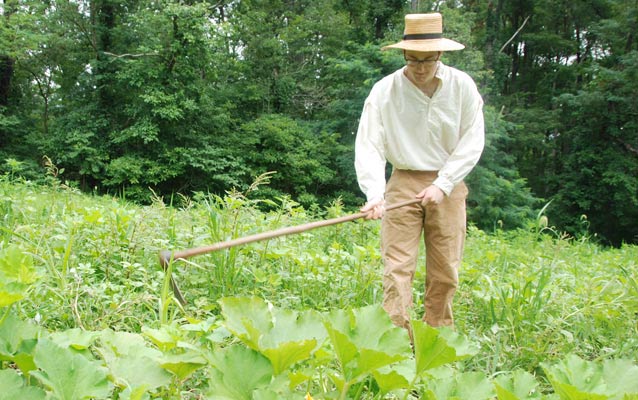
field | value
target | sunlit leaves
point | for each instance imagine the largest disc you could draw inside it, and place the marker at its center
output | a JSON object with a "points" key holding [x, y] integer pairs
{"points": [[516, 385], [68, 375], [17, 340], [178, 356], [397, 376], [461, 386], [12, 386], [132, 362], [365, 340], [16, 274], [575, 378], [237, 372], [436, 347], [285, 337]]}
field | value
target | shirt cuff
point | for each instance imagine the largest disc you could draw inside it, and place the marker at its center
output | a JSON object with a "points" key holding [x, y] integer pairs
{"points": [[374, 198], [444, 184]]}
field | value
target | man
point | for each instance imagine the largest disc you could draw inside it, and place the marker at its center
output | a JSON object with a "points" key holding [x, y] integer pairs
{"points": [[426, 119]]}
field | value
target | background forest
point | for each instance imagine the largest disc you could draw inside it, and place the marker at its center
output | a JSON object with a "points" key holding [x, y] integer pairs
{"points": [[135, 97]]}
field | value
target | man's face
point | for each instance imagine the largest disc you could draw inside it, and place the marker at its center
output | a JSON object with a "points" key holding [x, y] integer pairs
{"points": [[421, 66]]}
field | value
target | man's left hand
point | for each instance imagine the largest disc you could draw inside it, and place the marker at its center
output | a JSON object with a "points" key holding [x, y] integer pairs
{"points": [[431, 195]]}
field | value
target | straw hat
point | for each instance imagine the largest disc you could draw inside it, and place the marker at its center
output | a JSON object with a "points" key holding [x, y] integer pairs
{"points": [[424, 32]]}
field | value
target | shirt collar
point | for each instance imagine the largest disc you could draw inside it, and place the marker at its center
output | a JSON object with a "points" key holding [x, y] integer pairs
{"points": [[440, 70]]}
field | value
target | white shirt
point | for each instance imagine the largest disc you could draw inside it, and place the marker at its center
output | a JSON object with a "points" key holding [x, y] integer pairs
{"points": [[412, 131]]}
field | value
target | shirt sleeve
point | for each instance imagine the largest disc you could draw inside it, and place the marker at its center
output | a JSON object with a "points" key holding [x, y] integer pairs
{"points": [[471, 142], [370, 157]]}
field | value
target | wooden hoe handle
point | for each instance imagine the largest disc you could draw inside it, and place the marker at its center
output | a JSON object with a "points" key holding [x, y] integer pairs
{"points": [[166, 256]]}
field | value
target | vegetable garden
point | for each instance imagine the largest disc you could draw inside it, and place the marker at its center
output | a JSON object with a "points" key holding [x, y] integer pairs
{"points": [[87, 312]]}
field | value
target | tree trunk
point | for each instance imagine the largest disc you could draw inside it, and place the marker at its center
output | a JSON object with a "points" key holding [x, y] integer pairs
{"points": [[6, 61], [103, 20], [6, 72]]}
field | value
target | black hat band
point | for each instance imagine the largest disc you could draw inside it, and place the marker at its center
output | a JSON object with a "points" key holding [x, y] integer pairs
{"points": [[422, 36]]}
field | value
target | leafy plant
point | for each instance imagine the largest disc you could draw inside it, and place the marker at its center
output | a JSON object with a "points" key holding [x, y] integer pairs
{"points": [[284, 337], [17, 273], [363, 341], [575, 378], [69, 375]]}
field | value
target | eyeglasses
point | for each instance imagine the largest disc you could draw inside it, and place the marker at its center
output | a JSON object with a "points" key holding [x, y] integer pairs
{"points": [[427, 62]]}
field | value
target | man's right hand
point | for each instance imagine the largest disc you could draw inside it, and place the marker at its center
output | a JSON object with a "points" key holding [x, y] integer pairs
{"points": [[374, 209]]}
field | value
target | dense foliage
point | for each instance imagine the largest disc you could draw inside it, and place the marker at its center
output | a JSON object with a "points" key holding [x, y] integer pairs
{"points": [[86, 310], [202, 96]]}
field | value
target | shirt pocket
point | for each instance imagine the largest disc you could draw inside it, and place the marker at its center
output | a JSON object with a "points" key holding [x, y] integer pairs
{"points": [[446, 125]]}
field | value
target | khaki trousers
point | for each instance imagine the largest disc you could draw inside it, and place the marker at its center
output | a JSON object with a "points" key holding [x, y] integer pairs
{"points": [[443, 226]]}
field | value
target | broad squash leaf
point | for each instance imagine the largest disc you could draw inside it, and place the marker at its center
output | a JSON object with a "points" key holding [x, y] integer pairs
{"points": [[517, 385], [365, 340], [395, 377], [575, 378], [131, 362], [166, 337], [462, 386], [183, 364], [138, 393], [16, 274], [16, 266], [75, 338], [10, 293], [434, 347], [237, 372], [622, 377], [12, 387], [285, 337], [17, 340], [68, 375]]}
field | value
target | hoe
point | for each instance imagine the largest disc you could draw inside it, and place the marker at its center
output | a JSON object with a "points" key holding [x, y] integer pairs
{"points": [[167, 256]]}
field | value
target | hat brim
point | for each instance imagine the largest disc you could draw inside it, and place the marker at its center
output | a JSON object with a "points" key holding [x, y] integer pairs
{"points": [[441, 44]]}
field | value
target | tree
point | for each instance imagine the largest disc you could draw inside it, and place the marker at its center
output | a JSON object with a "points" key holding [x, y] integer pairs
{"points": [[499, 197], [599, 176]]}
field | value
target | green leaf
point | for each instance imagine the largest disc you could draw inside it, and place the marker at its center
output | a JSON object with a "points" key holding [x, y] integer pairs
{"points": [[285, 337], [138, 393], [237, 372], [16, 266], [12, 387], [297, 378], [70, 376], [288, 354], [16, 274], [131, 362], [575, 378], [517, 385], [365, 340], [124, 344], [434, 347], [183, 364], [24, 359], [17, 340], [75, 338], [166, 337], [345, 349], [11, 293], [13, 332], [622, 377], [462, 386], [394, 377]]}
